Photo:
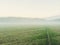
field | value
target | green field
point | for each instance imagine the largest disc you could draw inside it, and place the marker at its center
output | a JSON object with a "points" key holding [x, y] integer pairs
{"points": [[30, 35]]}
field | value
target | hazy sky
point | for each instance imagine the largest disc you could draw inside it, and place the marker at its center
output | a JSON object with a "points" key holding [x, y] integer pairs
{"points": [[29, 8]]}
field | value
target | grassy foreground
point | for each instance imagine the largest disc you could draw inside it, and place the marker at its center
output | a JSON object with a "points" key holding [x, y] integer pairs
{"points": [[29, 35]]}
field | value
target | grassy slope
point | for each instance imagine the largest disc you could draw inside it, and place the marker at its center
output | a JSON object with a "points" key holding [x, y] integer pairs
{"points": [[22, 36], [29, 35]]}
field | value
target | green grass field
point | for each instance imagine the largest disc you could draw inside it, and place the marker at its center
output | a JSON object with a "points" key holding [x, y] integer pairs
{"points": [[29, 35]]}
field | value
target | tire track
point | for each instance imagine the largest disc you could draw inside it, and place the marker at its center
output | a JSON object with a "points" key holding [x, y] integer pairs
{"points": [[48, 37]]}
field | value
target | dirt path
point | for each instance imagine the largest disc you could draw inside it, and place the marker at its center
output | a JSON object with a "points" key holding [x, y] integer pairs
{"points": [[48, 38]]}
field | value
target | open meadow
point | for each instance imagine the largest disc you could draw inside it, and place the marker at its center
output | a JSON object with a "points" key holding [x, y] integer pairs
{"points": [[29, 35]]}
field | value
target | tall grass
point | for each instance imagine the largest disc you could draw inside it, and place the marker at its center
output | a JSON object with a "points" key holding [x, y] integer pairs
{"points": [[28, 35]]}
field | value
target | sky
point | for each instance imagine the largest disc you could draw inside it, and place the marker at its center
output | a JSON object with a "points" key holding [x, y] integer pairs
{"points": [[29, 8]]}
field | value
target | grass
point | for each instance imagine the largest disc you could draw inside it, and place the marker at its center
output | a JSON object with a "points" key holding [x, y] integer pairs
{"points": [[29, 35], [55, 35]]}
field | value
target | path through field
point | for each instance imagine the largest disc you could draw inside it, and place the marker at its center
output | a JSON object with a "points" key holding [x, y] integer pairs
{"points": [[48, 37]]}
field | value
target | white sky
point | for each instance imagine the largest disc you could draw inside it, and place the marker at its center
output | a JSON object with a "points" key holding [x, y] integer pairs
{"points": [[29, 8]]}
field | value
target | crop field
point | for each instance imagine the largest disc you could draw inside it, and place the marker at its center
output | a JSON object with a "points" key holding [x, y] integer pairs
{"points": [[30, 35]]}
